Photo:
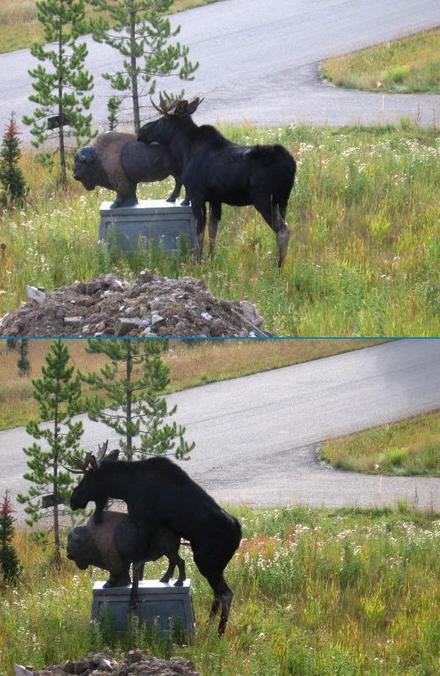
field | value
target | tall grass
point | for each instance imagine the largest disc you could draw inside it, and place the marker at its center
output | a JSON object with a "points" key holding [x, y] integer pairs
{"points": [[406, 447], [316, 592], [410, 64], [363, 256]]}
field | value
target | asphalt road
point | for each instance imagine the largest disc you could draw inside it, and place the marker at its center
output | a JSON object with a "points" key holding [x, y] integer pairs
{"points": [[257, 437], [259, 62]]}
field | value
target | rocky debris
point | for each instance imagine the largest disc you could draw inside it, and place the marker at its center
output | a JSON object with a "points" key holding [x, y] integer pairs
{"points": [[36, 294], [134, 664], [148, 306]]}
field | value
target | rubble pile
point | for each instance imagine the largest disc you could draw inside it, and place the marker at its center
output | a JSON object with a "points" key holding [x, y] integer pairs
{"points": [[148, 306], [134, 664]]}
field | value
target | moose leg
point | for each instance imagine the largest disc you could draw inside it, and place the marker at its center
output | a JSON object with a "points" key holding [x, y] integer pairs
{"points": [[272, 211], [199, 211], [176, 192], [138, 568], [283, 235], [222, 597], [166, 577], [182, 574], [205, 561], [215, 214], [173, 561], [186, 202]]}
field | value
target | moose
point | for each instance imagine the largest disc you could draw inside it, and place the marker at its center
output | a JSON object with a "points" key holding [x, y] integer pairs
{"points": [[113, 544], [216, 170], [118, 161], [158, 493]]}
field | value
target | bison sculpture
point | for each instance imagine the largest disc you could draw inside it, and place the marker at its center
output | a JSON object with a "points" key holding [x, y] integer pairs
{"points": [[113, 545], [118, 161]]}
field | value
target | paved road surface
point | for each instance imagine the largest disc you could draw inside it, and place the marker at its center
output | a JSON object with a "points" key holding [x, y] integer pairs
{"points": [[257, 437], [259, 62]]}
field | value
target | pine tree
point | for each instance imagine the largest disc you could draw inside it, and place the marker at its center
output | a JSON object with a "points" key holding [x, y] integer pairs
{"points": [[11, 344], [113, 106], [61, 90], [9, 564], [141, 33], [23, 363], [58, 393], [11, 177], [129, 398]]}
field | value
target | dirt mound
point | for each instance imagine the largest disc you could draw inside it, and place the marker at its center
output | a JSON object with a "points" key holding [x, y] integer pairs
{"points": [[135, 663], [148, 306]]}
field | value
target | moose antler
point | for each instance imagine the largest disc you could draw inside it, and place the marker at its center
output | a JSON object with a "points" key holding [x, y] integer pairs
{"points": [[80, 466], [102, 450], [169, 103]]}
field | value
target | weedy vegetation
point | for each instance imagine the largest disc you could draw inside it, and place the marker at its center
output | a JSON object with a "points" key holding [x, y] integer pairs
{"points": [[410, 64], [316, 592], [362, 260], [191, 363], [409, 446]]}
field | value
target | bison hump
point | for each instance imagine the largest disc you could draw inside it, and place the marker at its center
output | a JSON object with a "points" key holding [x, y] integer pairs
{"points": [[145, 162]]}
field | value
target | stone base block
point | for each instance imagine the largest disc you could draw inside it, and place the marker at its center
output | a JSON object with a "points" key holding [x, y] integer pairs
{"points": [[163, 606], [157, 221]]}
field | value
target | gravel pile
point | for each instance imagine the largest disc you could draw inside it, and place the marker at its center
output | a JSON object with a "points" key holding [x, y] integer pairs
{"points": [[134, 664], [148, 306]]}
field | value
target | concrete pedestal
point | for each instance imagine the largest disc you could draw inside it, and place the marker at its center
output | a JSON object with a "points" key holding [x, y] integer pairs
{"points": [[161, 605], [150, 220]]}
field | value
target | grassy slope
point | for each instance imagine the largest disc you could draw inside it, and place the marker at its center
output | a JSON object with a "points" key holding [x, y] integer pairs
{"points": [[19, 27], [190, 364], [362, 260], [316, 592], [407, 447], [410, 64]]}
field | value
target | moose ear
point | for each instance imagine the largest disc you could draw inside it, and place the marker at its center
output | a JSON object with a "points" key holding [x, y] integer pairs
{"points": [[113, 455], [181, 108], [93, 463], [193, 105]]}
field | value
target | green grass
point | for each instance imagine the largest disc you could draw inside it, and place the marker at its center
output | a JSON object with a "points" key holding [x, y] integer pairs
{"points": [[362, 260], [317, 592], [19, 27], [406, 447], [410, 64]]}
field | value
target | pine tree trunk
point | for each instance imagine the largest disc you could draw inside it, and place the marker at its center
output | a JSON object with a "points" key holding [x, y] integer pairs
{"points": [[61, 111], [56, 522], [133, 74], [128, 373]]}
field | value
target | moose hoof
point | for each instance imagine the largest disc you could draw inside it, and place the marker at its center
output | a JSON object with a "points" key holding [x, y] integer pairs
{"points": [[178, 583]]}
